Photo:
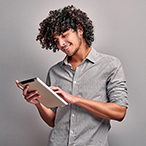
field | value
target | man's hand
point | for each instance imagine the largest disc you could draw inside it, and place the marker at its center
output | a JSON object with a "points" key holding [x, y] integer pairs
{"points": [[64, 95], [31, 97]]}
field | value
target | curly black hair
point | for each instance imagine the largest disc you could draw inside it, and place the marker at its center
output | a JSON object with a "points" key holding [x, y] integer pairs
{"points": [[62, 20]]}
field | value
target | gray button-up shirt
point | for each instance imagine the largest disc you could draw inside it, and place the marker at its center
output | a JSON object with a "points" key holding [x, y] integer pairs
{"points": [[99, 77]]}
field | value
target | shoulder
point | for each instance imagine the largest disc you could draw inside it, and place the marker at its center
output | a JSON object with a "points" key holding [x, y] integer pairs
{"points": [[52, 72], [109, 60], [99, 57], [55, 67]]}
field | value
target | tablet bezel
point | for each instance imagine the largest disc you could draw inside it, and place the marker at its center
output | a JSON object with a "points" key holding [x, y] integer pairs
{"points": [[48, 97]]}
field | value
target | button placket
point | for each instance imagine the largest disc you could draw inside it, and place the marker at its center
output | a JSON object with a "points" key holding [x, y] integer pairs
{"points": [[72, 112], [74, 87]]}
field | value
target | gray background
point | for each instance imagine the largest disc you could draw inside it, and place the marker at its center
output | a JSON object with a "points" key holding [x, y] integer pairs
{"points": [[120, 30]]}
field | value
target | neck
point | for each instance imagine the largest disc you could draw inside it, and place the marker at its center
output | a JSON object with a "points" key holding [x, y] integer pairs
{"points": [[80, 55]]}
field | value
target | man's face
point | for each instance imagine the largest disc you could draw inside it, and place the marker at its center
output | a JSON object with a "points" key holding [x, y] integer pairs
{"points": [[69, 42]]}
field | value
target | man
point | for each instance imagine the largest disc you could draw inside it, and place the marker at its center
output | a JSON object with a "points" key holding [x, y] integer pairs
{"points": [[92, 83]]}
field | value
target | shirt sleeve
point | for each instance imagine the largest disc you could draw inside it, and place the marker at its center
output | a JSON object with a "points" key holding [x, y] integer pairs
{"points": [[48, 82], [116, 84]]}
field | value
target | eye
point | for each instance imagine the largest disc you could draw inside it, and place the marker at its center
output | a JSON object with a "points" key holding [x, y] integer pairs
{"points": [[55, 40], [64, 35]]}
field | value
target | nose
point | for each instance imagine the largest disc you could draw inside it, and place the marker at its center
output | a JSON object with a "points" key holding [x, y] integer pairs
{"points": [[61, 42]]}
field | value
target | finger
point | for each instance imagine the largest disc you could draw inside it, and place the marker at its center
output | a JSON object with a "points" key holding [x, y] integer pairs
{"points": [[25, 90], [17, 83], [32, 98], [54, 88], [30, 94], [51, 87], [58, 92]]}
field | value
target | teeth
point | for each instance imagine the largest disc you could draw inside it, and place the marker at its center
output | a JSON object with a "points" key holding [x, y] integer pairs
{"points": [[66, 48]]}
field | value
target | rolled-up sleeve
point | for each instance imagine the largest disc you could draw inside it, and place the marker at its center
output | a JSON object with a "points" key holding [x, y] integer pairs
{"points": [[116, 84]]}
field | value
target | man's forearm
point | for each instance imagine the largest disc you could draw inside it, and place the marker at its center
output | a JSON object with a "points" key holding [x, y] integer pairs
{"points": [[101, 109], [46, 114]]}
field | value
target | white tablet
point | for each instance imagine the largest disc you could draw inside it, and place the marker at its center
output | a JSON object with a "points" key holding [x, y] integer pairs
{"points": [[48, 97]]}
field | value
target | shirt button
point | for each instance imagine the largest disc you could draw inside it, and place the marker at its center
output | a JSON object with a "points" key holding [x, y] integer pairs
{"points": [[75, 82], [71, 132], [73, 115]]}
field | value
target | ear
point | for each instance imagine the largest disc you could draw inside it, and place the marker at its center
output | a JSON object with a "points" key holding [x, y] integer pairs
{"points": [[80, 30]]}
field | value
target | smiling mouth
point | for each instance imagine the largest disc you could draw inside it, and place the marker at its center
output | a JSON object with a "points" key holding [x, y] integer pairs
{"points": [[66, 49]]}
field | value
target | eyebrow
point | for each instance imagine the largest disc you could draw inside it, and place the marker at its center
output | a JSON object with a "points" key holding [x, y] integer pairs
{"points": [[64, 33], [54, 37]]}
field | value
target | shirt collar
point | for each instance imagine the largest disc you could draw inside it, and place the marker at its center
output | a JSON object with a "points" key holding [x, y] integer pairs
{"points": [[92, 57]]}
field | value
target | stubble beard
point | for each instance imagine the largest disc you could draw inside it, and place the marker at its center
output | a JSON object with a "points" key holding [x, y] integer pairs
{"points": [[76, 50]]}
